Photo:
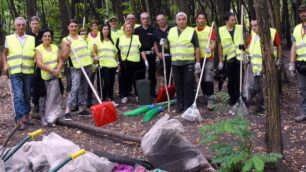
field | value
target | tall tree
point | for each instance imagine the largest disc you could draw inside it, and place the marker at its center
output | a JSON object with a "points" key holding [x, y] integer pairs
{"points": [[12, 8], [64, 17], [286, 23], [270, 83], [31, 8]]}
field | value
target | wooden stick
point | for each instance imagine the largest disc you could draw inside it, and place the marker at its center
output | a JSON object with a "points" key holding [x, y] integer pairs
{"points": [[83, 22]]}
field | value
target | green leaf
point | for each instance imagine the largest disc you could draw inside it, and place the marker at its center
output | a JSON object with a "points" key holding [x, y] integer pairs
{"points": [[258, 163], [247, 166]]}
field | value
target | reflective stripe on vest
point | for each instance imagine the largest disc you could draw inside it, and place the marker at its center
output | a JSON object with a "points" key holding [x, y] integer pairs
{"points": [[230, 47], [300, 42], [49, 59], [81, 48], [107, 53], [20, 58], [255, 50], [124, 43], [181, 47], [203, 37]]}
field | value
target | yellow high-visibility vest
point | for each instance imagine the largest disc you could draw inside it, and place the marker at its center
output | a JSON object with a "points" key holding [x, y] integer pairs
{"points": [[107, 53], [255, 50], [300, 42], [91, 41], [203, 37], [20, 59], [230, 47], [124, 43], [81, 48], [49, 59], [181, 47]]}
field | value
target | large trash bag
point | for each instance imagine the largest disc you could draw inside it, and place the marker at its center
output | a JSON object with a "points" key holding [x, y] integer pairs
{"points": [[247, 82], [46, 154], [164, 148]]}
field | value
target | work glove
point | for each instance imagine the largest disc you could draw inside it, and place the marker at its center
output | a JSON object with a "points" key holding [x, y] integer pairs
{"points": [[207, 50], [147, 65], [241, 47], [258, 73], [197, 68], [220, 65], [246, 58], [292, 69]]}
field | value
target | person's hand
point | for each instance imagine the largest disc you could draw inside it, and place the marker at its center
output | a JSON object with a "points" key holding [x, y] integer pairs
{"points": [[241, 47], [246, 58], [96, 59], [160, 56], [68, 43], [147, 64], [220, 65], [292, 69], [207, 50], [55, 72], [197, 68]]}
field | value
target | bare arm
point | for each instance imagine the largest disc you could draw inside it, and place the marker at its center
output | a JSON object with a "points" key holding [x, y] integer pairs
{"points": [[65, 45], [143, 55], [159, 55], [293, 53], [60, 62], [40, 64], [197, 55], [4, 59], [95, 52], [279, 51], [212, 45]]}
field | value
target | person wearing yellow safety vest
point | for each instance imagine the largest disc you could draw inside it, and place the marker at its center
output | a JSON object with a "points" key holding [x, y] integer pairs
{"points": [[79, 87], [298, 60], [230, 45], [203, 32], [129, 50], [92, 38], [254, 50], [48, 59], [115, 32], [105, 53], [184, 49], [18, 61]]}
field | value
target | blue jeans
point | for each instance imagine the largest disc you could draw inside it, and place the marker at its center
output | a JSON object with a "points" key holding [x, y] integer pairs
{"points": [[21, 85]]}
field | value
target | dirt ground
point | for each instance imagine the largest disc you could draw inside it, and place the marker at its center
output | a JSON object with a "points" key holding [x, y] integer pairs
{"points": [[294, 134]]}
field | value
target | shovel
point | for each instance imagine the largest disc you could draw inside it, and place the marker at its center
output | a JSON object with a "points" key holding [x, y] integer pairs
{"points": [[68, 159], [193, 113], [105, 112], [239, 107]]}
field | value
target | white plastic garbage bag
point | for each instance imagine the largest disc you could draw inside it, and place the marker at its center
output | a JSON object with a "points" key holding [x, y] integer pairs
{"points": [[164, 148]]}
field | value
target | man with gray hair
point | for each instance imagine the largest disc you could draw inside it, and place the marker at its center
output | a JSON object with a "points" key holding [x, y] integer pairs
{"points": [[184, 49], [18, 61]]}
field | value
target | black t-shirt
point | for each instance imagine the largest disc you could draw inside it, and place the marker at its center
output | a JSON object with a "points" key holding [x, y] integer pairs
{"points": [[145, 37], [158, 35], [37, 40], [232, 32]]}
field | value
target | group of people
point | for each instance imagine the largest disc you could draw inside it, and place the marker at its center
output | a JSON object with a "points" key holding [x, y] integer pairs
{"points": [[35, 64]]}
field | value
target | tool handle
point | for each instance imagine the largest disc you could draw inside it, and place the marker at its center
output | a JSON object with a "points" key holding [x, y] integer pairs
{"points": [[36, 133], [83, 22], [241, 54], [77, 154]]}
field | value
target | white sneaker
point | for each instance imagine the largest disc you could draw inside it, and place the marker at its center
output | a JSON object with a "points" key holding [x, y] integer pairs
{"points": [[124, 100], [114, 103]]}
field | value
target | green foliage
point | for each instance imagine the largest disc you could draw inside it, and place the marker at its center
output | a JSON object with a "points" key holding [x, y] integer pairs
{"points": [[221, 101], [230, 140]]}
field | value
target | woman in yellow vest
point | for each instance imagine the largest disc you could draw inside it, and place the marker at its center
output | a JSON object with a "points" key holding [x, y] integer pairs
{"points": [[48, 60], [105, 53], [129, 48], [79, 86]]}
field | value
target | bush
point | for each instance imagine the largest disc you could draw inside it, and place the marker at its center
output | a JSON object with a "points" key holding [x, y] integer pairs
{"points": [[230, 141]]}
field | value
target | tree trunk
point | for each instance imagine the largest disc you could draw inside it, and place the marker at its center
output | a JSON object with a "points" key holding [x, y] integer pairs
{"points": [[295, 5], [43, 15], [12, 8], [277, 17], [286, 24], [117, 9], [64, 17], [183, 6], [31, 8], [270, 84], [224, 6]]}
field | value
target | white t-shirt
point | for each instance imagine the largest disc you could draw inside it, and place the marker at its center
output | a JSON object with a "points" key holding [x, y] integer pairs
{"points": [[20, 38]]}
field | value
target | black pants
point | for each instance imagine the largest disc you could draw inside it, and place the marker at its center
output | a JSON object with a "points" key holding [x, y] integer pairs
{"points": [[152, 73], [38, 87], [233, 73], [207, 83], [184, 81], [89, 91], [127, 77], [108, 78]]}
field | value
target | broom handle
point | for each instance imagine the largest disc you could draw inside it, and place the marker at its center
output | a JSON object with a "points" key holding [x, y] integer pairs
{"points": [[241, 54], [86, 76], [84, 22], [165, 77], [202, 71], [170, 76]]}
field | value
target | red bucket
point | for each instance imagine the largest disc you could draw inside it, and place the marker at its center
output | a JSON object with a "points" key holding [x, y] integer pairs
{"points": [[162, 95], [104, 113]]}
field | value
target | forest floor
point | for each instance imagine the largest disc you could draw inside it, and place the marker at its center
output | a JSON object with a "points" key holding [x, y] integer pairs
{"points": [[294, 134]]}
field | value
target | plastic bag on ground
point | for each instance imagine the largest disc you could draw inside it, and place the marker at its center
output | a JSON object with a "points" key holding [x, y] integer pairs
{"points": [[164, 148], [53, 149], [247, 82], [53, 108]]}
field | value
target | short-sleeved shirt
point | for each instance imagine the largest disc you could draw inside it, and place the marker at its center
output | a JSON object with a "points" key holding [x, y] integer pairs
{"points": [[232, 32], [37, 40], [158, 35], [21, 39], [146, 37]]}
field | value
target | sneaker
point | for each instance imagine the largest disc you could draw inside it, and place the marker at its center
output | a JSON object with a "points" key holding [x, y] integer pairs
{"points": [[84, 113], [300, 118], [67, 117], [43, 122], [27, 119], [124, 100]]}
